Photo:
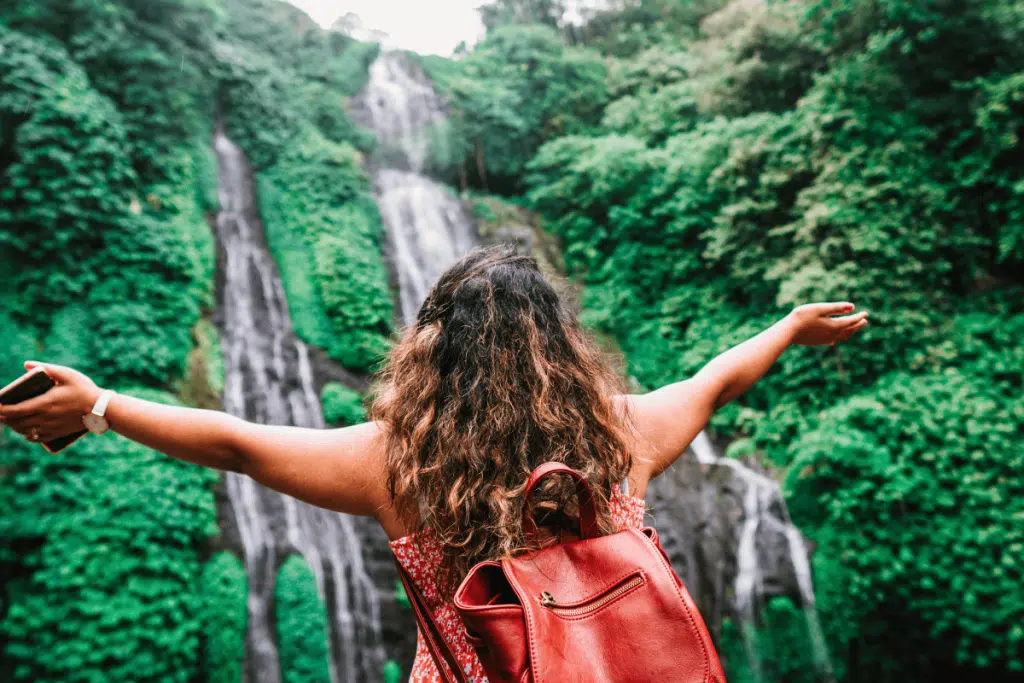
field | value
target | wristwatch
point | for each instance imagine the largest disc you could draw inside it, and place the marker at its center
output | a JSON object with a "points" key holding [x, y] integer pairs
{"points": [[94, 421]]}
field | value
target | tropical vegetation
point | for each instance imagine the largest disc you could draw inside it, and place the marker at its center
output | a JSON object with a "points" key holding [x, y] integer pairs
{"points": [[704, 164]]}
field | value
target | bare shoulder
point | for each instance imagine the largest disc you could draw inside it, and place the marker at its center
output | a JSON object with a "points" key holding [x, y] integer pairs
{"points": [[371, 438], [638, 442], [663, 423]]}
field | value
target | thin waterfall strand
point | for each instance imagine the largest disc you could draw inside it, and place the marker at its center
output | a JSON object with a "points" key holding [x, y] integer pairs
{"points": [[269, 379]]}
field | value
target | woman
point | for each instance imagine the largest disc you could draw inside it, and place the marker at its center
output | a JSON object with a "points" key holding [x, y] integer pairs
{"points": [[493, 378]]}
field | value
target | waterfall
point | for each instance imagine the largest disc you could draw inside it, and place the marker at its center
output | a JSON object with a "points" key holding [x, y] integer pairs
{"points": [[761, 497], [269, 379], [427, 227]]}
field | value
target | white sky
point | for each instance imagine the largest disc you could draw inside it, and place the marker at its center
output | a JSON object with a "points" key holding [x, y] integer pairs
{"points": [[424, 26]]}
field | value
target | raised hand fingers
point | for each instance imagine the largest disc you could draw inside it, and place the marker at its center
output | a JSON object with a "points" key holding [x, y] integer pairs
{"points": [[852, 329], [846, 321], [830, 308]]}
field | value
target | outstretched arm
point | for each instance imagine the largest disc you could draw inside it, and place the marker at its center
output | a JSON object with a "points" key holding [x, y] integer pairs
{"points": [[670, 417], [338, 469]]}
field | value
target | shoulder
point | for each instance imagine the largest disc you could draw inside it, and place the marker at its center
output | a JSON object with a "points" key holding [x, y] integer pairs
{"points": [[659, 425], [371, 437]]}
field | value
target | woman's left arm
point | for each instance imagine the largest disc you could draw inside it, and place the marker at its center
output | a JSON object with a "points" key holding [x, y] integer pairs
{"points": [[670, 417]]}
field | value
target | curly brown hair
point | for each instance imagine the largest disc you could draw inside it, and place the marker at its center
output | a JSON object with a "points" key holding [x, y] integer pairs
{"points": [[493, 378]]}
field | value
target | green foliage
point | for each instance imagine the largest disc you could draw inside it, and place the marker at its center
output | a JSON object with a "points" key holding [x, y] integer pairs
{"points": [[767, 211], [294, 258], [47, 100], [149, 59], [72, 221], [625, 29], [915, 487], [206, 177], [327, 111], [392, 672], [516, 89], [280, 72], [104, 542], [295, 44], [509, 12], [351, 69], [224, 586], [260, 103], [203, 383], [301, 625], [325, 233], [342, 406], [401, 597], [208, 343], [780, 643], [108, 258], [653, 96], [19, 345]]}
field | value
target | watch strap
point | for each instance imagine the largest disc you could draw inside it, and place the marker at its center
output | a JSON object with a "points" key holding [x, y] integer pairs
{"points": [[102, 402]]}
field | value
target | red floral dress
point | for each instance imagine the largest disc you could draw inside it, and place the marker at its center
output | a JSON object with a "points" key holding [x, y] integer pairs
{"points": [[420, 554]]}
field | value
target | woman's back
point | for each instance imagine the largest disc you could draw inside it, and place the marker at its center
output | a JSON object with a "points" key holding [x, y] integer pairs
{"points": [[420, 555], [494, 378]]}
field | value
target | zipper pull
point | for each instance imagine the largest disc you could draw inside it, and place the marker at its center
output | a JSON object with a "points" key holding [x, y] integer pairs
{"points": [[547, 599]]}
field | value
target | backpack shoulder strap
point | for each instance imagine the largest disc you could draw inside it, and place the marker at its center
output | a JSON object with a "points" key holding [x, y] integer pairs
{"points": [[438, 648]]}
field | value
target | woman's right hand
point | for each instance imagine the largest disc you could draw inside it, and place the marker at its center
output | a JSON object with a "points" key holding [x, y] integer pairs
{"points": [[56, 413]]}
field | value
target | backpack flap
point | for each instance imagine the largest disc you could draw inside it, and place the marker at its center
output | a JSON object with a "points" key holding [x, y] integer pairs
{"points": [[492, 615], [607, 609]]}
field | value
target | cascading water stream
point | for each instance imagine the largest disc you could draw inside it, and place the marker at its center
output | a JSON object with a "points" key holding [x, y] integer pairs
{"points": [[427, 227], [269, 380], [759, 495]]}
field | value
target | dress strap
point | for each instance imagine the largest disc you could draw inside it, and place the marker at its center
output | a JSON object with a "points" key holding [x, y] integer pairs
{"points": [[624, 486], [432, 638]]}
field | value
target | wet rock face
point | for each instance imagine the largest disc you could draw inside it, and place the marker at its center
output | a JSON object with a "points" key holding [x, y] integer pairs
{"points": [[698, 510]]}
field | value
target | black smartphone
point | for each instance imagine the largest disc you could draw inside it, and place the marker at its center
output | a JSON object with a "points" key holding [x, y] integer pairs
{"points": [[36, 383]]}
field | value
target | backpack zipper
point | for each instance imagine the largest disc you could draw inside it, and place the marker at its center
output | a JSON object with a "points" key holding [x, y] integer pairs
{"points": [[547, 600]]}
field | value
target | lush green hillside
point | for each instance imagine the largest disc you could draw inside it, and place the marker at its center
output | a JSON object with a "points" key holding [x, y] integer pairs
{"points": [[709, 166], [282, 91], [108, 183], [106, 174]]}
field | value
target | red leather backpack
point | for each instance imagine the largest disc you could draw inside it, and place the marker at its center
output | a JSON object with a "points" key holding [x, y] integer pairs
{"points": [[601, 608]]}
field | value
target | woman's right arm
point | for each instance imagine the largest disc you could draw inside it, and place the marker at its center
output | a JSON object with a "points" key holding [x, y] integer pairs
{"points": [[340, 469]]}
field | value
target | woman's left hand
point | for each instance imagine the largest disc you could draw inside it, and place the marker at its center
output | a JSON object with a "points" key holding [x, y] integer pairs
{"points": [[56, 413], [813, 324]]}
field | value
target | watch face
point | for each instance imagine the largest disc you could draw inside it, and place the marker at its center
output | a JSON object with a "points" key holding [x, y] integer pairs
{"points": [[95, 423]]}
